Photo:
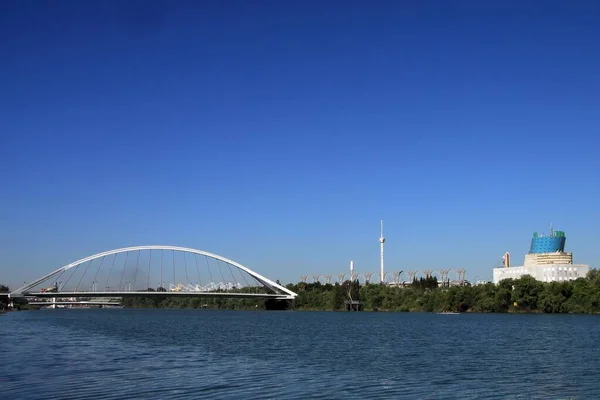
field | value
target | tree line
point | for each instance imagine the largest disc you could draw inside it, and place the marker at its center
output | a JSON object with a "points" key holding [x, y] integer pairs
{"points": [[423, 295]]}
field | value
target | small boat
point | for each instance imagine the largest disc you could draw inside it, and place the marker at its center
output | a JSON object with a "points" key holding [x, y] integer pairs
{"points": [[448, 313]]}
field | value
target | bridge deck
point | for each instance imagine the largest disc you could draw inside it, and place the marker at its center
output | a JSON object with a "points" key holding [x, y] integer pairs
{"points": [[152, 294], [74, 303]]}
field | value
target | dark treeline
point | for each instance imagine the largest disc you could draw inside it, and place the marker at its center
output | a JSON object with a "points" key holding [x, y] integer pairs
{"points": [[20, 303], [193, 302], [511, 295], [425, 295], [4, 299], [159, 301]]}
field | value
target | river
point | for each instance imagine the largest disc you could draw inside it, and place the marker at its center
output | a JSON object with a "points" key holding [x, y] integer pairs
{"points": [[202, 354]]}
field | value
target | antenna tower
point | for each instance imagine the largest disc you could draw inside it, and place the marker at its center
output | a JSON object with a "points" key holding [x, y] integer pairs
{"points": [[381, 242]]}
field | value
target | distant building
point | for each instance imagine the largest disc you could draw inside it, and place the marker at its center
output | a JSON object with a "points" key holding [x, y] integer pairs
{"points": [[546, 261]]}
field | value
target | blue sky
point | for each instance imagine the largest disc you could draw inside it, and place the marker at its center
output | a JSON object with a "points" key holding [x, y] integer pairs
{"points": [[279, 133]]}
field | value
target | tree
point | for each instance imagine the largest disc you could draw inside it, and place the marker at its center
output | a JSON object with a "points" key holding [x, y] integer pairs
{"points": [[527, 291], [485, 298], [524, 294], [553, 297], [4, 299]]}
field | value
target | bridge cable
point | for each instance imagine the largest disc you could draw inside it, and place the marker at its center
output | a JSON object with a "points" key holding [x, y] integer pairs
{"points": [[160, 284], [58, 277], [137, 263], [83, 276], [70, 276], [209, 271], [198, 269], [98, 270], [221, 271], [149, 263], [251, 286], [262, 285], [124, 267], [259, 284], [234, 280], [243, 277], [186, 272], [173, 267], [255, 286], [110, 271]]}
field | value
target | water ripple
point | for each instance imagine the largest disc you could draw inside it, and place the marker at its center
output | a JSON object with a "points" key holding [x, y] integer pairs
{"points": [[191, 354]]}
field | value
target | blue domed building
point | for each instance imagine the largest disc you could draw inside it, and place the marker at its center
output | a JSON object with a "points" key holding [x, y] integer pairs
{"points": [[546, 261]]}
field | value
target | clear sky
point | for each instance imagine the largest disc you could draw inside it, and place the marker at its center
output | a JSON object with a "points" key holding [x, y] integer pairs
{"points": [[279, 133]]}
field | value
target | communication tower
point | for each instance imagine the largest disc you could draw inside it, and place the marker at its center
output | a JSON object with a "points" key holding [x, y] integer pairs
{"points": [[381, 242]]}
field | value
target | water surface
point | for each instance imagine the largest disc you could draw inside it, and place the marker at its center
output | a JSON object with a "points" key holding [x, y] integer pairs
{"points": [[194, 354]]}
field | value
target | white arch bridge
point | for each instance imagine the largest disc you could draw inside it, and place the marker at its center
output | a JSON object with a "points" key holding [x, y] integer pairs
{"points": [[154, 271]]}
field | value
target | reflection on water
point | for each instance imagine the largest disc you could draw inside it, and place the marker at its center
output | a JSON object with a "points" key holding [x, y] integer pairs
{"points": [[191, 354]]}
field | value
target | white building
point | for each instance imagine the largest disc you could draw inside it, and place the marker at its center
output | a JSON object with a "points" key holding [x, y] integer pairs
{"points": [[545, 267]]}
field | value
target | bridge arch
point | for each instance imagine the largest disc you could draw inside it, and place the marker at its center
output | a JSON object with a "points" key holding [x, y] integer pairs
{"points": [[275, 287]]}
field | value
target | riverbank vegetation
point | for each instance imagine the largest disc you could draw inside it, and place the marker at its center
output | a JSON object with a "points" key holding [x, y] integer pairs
{"points": [[193, 302], [511, 295], [19, 303], [4, 299], [425, 295]]}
